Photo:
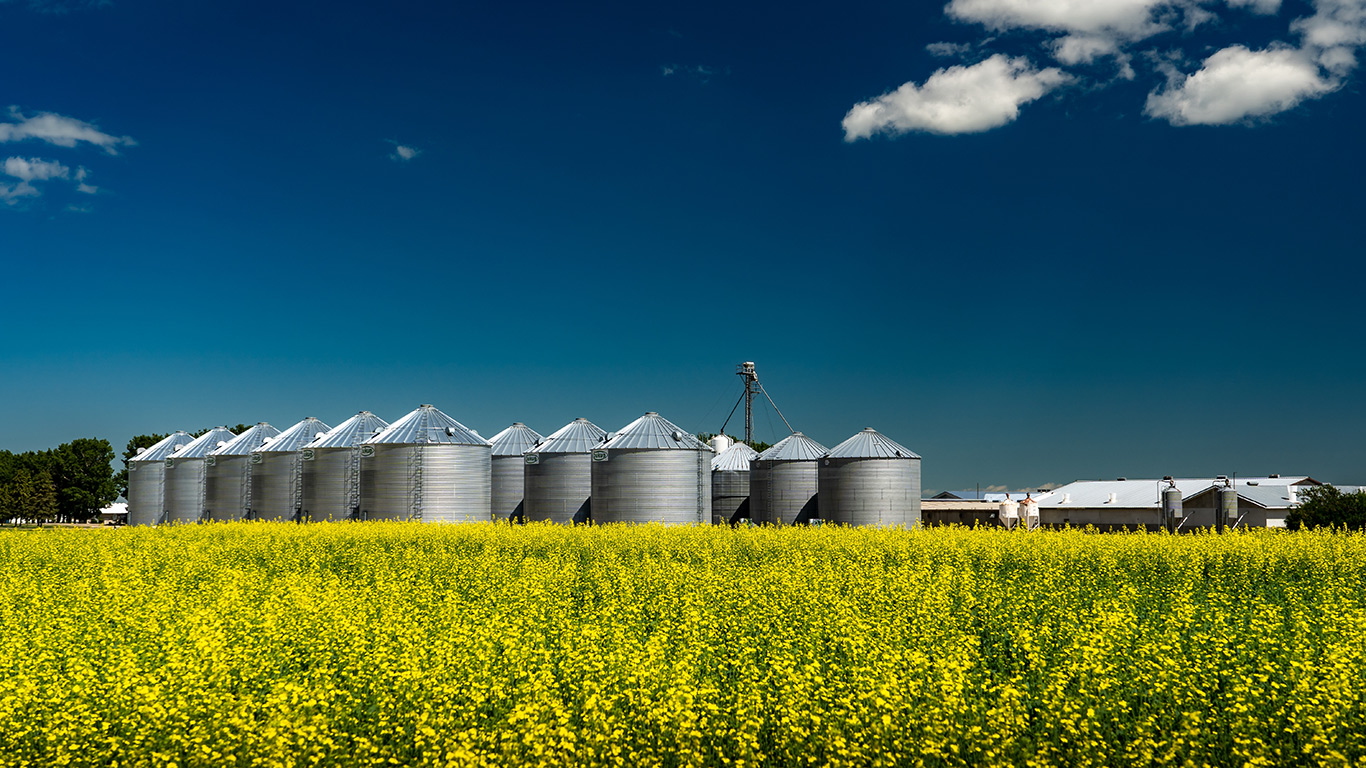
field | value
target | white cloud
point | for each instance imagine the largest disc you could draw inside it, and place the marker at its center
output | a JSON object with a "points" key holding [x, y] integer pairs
{"points": [[1094, 19], [960, 99], [1237, 84], [88, 189], [11, 194], [403, 153], [34, 169], [1333, 33], [1265, 7], [59, 130], [949, 50]]}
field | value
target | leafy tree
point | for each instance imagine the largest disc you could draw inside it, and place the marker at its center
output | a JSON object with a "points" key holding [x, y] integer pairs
{"points": [[141, 441], [84, 478], [43, 505], [1328, 506]]}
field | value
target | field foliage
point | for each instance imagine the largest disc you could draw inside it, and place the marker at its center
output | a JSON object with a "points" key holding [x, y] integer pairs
{"points": [[276, 644]]}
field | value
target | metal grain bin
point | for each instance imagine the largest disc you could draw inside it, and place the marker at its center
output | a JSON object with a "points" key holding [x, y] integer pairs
{"points": [[652, 472], [506, 469], [870, 480], [426, 466], [228, 475], [331, 468], [784, 481], [559, 474], [730, 474], [185, 476], [147, 479], [277, 472]]}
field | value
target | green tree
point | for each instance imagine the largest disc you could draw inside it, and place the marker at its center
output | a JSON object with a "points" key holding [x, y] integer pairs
{"points": [[84, 478], [131, 450], [43, 505], [1327, 506]]}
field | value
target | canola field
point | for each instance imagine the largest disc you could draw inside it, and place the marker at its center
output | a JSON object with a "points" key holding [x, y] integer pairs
{"points": [[260, 644]]}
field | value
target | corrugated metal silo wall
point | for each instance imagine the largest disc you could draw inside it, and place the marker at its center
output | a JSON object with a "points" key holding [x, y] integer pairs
{"points": [[331, 484], [559, 487], [184, 491], [146, 488], [729, 490], [275, 486], [507, 486], [643, 486], [783, 492], [431, 483], [227, 487], [872, 492]]}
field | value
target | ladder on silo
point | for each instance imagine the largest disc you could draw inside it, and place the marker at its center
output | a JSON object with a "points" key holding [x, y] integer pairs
{"points": [[415, 483]]}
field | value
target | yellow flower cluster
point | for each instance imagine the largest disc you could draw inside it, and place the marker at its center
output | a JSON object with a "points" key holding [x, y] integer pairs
{"points": [[259, 644]]}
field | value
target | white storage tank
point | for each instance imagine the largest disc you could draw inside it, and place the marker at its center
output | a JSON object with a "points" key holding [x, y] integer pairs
{"points": [[559, 474], [784, 482], [331, 468], [506, 464], [228, 474], [429, 467], [185, 476], [730, 480], [147, 479], [870, 480], [652, 472], [277, 472]]}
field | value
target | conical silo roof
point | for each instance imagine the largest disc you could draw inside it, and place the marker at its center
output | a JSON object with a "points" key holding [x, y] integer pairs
{"points": [[351, 432], [870, 444], [427, 425], [296, 437], [734, 459], [515, 440], [205, 444], [578, 436], [795, 447], [654, 432], [165, 447], [250, 440]]}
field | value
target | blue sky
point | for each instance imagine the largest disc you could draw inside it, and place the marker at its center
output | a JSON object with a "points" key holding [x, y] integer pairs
{"points": [[1033, 240]]}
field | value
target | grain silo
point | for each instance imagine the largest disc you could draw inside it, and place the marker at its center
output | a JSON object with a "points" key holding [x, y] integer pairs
{"points": [[784, 481], [652, 472], [228, 474], [506, 464], [426, 466], [331, 468], [870, 480], [277, 472], [559, 474], [185, 476], [147, 479], [730, 479]]}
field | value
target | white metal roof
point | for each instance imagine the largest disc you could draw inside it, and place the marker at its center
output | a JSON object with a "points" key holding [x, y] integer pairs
{"points": [[351, 432], [734, 459], [515, 440], [1134, 494], [578, 436], [654, 432], [165, 447], [427, 425], [249, 441], [295, 437], [870, 444], [205, 444], [794, 447]]}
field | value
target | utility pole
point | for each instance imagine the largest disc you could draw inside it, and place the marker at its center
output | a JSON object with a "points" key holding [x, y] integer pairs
{"points": [[751, 378]]}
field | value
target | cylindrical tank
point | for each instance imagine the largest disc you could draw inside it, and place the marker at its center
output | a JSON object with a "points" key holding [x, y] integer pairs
{"points": [[652, 472], [559, 475], [730, 481], [1009, 512], [185, 476], [1228, 505], [784, 482], [870, 480], [147, 479], [429, 467], [1029, 513], [277, 472], [1172, 513], [506, 463], [331, 468], [719, 443], [228, 474]]}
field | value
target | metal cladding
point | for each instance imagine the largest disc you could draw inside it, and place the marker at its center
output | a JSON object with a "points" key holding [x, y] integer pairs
{"points": [[558, 474], [784, 481], [506, 464], [227, 475], [147, 479], [730, 481], [870, 480], [331, 468], [426, 466], [652, 471], [185, 476], [277, 472]]}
